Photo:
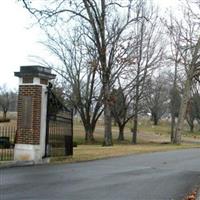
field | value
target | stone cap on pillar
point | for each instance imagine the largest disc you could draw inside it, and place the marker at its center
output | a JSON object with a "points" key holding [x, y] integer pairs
{"points": [[34, 74], [35, 71]]}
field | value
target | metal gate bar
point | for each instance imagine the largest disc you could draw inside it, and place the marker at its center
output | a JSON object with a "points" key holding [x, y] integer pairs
{"points": [[59, 132], [7, 141]]}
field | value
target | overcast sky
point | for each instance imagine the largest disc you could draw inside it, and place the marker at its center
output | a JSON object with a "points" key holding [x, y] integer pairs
{"points": [[18, 40]]}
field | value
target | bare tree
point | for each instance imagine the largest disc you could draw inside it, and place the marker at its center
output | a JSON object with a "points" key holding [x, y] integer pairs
{"points": [[80, 82], [196, 98], [174, 58], [193, 108], [145, 57], [175, 100], [13, 96], [157, 97], [122, 109], [106, 22], [190, 114], [4, 101], [190, 55]]}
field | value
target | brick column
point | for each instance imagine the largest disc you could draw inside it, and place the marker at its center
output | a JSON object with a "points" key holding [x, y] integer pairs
{"points": [[32, 109]]}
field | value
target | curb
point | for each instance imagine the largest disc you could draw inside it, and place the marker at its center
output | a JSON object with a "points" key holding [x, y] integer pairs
{"points": [[10, 164]]}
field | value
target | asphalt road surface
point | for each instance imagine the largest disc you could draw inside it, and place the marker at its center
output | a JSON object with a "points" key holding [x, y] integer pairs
{"points": [[168, 175]]}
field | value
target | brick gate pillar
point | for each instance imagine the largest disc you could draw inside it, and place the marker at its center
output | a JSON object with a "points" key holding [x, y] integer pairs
{"points": [[32, 112]]}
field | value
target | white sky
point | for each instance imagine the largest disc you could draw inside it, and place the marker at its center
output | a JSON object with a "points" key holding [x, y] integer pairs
{"points": [[18, 40]]}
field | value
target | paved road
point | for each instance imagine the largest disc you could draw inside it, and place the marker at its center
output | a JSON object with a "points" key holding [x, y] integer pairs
{"points": [[152, 176]]}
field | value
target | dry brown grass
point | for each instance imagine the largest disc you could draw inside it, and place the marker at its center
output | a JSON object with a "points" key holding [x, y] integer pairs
{"points": [[6, 124], [149, 141], [10, 115], [95, 152]]}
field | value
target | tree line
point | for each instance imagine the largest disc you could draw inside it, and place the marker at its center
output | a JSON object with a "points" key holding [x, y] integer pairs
{"points": [[8, 101], [123, 59]]}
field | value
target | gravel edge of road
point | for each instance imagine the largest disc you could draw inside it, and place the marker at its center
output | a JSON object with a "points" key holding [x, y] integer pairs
{"points": [[23, 163]]}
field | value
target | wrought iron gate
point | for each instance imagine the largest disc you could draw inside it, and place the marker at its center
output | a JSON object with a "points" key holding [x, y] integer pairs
{"points": [[59, 129], [7, 142]]}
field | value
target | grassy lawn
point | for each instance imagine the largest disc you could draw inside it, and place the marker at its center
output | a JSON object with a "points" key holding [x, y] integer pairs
{"points": [[147, 132], [95, 152], [163, 128], [150, 139]]}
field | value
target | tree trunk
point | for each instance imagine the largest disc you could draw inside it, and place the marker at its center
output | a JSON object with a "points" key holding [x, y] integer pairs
{"points": [[192, 128], [135, 118], [173, 121], [155, 120], [121, 133], [89, 134], [134, 130], [186, 93], [4, 115], [108, 125], [191, 125], [183, 107], [198, 121], [107, 117], [173, 106], [106, 72]]}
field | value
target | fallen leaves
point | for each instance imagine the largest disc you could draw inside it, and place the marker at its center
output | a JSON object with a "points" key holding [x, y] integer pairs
{"points": [[192, 195]]}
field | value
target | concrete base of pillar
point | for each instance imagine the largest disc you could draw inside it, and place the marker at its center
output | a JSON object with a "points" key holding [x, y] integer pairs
{"points": [[27, 152]]}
